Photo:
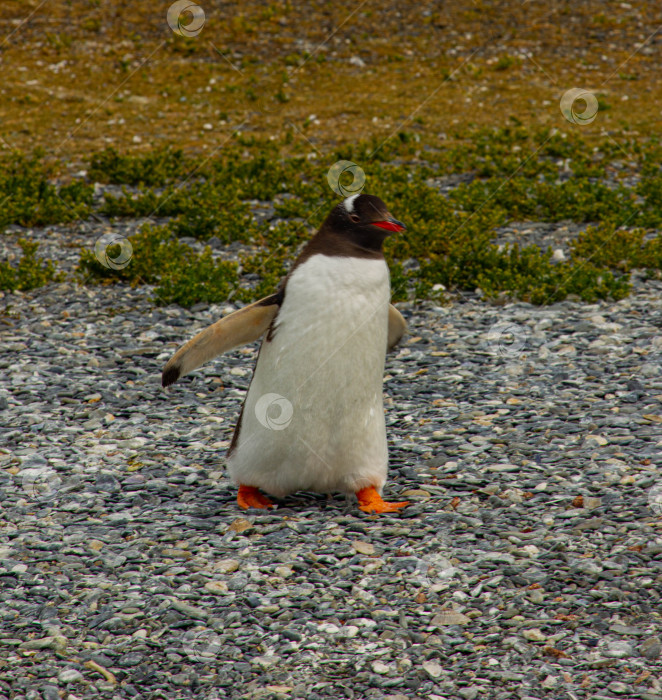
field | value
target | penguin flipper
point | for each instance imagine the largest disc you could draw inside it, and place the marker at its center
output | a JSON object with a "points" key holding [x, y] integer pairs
{"points": [[238, 328], [397, 327]]}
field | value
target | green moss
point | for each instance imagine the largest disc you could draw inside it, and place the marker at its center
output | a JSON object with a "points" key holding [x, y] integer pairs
{"points": [[29, 198], [619, 249], [528, 274], [154, 169], [518, 175], [169, 203], [505, 62], [30, 272], [180, 274]]}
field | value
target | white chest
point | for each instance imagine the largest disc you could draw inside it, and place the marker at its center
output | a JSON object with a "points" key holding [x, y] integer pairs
{"points": [[331, 298], [325, 361]]}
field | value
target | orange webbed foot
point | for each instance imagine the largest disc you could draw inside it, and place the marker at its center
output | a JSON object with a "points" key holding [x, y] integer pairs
{"points": [[371, 502], [250, 497]]}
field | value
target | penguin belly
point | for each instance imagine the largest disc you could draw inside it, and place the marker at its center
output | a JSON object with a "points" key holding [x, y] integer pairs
{"points": [[313, 417]]}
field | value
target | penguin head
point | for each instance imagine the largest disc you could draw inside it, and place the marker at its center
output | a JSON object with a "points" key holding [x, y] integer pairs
{"points": [[365, 220]]}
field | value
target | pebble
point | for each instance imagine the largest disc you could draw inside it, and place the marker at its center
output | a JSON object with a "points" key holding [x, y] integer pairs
{"points": [[651, 648], [534, 635], [619, 650], [124, 554], [70, 676], [381, 668], [469, 693], [433, 669], [618, 688]]}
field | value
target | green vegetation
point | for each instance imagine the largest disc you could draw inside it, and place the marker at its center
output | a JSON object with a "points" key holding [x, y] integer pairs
{"points": [[153, 170], [28, 197], [30, 272], [181, 276], [515, 175]]}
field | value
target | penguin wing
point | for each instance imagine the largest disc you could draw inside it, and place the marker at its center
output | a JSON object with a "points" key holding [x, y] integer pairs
{"points": [[238, 328], [397, 327]]}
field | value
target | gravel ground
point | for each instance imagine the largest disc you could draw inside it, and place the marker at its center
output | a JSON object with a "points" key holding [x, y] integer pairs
{"points": [[529, 564]]}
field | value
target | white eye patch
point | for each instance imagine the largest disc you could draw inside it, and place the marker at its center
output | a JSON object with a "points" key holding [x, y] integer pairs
{"points": [[349, 203]]}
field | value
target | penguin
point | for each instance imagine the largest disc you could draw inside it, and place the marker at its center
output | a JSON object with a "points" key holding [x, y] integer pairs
{"points": [[313, 415]]}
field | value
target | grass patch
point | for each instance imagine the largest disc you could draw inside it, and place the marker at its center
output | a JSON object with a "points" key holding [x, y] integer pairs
{"points": [[619, 249], [154, 169], [517, 175], [30, 272], [29, 198], [181, 275]]}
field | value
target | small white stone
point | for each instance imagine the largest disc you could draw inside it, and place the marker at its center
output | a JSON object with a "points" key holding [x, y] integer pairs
{"points": [[70, 675], [328, 628], [618, 688], [449, 617], [536, 596], [216, 587], [593, 440], [433, 669], [226, 566], [618, 650], [381, 668], [534, 635], [363, 547], [530, 550]]}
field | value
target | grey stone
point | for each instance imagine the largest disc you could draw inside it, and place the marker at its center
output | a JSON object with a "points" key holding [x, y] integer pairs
{"points": [[651, 648]]}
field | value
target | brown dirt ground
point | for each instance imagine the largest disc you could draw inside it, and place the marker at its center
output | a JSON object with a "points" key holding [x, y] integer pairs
{"points": [[84, 74]]}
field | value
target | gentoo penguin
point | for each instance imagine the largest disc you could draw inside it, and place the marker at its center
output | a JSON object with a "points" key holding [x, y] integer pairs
{"points": [[313, 416]]}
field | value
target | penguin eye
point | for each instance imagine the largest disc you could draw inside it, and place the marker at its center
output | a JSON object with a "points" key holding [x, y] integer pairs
{"points": [[354, 218]]}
